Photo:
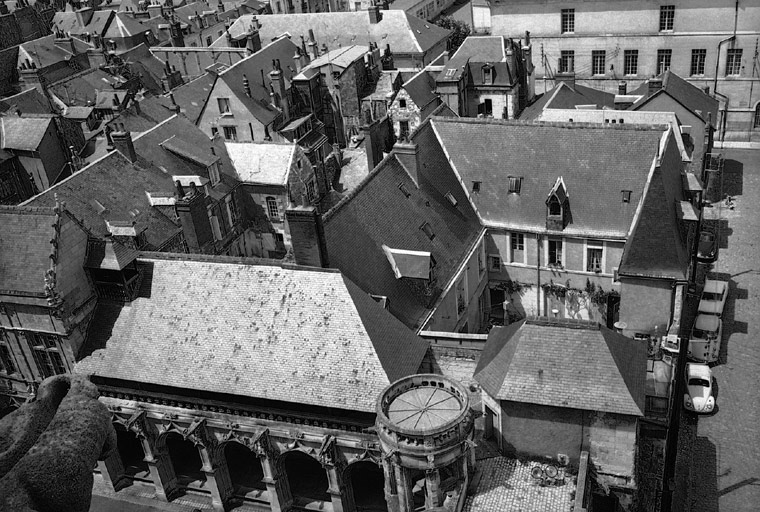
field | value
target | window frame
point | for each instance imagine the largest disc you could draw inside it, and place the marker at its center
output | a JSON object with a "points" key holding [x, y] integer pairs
{"points": [[667, 18], [402, 103], [273, 209], [549, 251], [46, 352], [594, 245], [596, 55], [756, 123], [224, 106], [494, 262], [567, 21], [733, 62], [664, 59], [232, 209], [230, 130], [567, 61], [514, 184], [214, 174], [630, 62], [698, 58], [8, 363], [517, 243]]}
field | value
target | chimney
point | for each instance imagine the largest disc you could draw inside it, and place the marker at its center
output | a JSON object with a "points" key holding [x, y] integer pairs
{"points": [[220, 7], [3, 8], [193, 216], [385, 5], [566, 78], [313, 48], [622, 88], [304, 53], [653, 85], [706, 89], [297, 60], [246, 86], [253, 40], [307, 234], [84, 15], [198, 21], [373, 143], [408, 153], [175, 31], [277, 84], [375, 16], [122, 142]]}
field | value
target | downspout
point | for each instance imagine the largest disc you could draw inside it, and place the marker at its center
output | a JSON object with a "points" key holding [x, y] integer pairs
{"points": [[538, 274], [722, 131]]}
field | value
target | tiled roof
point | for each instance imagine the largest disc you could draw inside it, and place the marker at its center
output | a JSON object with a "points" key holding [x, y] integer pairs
{"points": [[656, 248], [564, 96], [404, 33], [358, 227], [565, 363], [192, 96], [109, 254], [30, 101], [23, 133], [124, 26], [480, 50], [44, 51], [261, 162], [26, 243], [687, 94], [342, 57], [259, 103], [595, 161], [421, 88], [211, 326]]}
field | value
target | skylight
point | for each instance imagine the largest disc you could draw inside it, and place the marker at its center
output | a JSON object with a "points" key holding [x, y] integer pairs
{"points": [[451, 198]]}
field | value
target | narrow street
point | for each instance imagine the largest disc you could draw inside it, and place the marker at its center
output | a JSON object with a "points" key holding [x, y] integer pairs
{"points": [[726, 464]]}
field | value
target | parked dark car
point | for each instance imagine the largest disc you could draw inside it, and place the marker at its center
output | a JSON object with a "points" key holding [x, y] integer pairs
{"points": [[707, 250]]}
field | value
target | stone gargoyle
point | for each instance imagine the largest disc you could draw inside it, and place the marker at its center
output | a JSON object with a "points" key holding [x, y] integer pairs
{"points": [[50, 445]]}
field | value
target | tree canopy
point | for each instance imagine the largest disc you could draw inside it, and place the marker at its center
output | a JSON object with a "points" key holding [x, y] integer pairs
{"points": [[460, 28]]}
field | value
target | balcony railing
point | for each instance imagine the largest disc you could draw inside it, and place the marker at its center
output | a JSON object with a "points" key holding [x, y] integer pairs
{"points": [[120, 292]]}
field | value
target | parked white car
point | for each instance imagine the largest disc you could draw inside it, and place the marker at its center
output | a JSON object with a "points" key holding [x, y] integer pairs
{"points": [[699, 391], [713, 298], [705, 338]]}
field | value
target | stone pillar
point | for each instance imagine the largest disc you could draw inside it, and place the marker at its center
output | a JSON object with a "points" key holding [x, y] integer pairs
{"points": [[391, 486], [112, 470], [217, 476], [278, 488], [404, 489], [340, 495], [433, 488], [162, 473]]}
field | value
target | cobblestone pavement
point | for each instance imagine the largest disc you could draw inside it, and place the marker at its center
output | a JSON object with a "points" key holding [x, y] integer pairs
{"points": [[506, 485], [726, 463]]}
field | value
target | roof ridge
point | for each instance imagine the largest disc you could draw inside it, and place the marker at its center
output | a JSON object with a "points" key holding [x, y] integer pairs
{"points": [[231, 260], [28, 210], [552, 124]]}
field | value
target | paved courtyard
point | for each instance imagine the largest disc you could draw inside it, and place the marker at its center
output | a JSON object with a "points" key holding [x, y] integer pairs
{"points": [[726, 467]]}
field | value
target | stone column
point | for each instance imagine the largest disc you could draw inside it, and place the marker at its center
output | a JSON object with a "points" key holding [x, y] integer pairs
{"points": [[391, 486], [112, 469], [278, 488], [217, 476], [341, 497], [433, 488], [403, 488], [162, 473]]}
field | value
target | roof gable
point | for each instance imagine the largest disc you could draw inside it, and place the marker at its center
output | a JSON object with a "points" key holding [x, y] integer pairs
{"points": [[688, 95]]}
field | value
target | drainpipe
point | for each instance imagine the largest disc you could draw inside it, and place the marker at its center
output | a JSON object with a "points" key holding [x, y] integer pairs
{"points": [[715, 81], [538, 274]]}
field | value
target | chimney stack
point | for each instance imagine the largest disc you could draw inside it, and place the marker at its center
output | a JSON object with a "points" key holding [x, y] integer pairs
{"points": [[408, 153], [653, 85], [253, 40], [246, 86], [313, 48], [375, 16], [277, 85], [122, 142], [622, 88], [193, 216], [373, 143], [307, 235], [175, 31]]}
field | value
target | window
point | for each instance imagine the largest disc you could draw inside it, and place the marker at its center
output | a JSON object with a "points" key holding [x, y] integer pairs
{"points": [[756, 124], [402, 103], [214, 131], [428, 230], [224, 105], [404, 190], [615, 276], [517, 248], [208, 40], [567, 61], [515, 184], [311, 190], [213, 173], [476, 186], [230, 133], [594, 257], [7, 364], [403, 130], [482, 259], [667, 15], [663, 60], [46, 354], [232, 211], [598, 58], [698, 62], [631, 62], [626, 195], [272, 209], [555, 253], [734, 62], [488, 107], [568, 21], [494, 263], [555, 208], [487, 75], [216, 228]]}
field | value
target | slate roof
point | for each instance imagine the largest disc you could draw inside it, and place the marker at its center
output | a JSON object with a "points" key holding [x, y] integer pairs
{"points": [[67, 22], [208, 326], [82, 88], [109, 254], [479, 51], [261, 162], [342, 57], [26, 243], [191, 97], [44, 51], [421, 88], [30, 101], [565, 363], [687, 94], [259, 103], [564, 96], [405, 33], [595, 161], [358, 226], [144, 117], [124, 26], [23, 133]]}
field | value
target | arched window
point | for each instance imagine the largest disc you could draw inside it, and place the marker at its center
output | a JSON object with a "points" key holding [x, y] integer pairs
{"points": [[272, 209], [555, 208]]}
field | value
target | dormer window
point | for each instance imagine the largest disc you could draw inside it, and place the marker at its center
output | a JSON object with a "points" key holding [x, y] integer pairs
{"points": [[451, 199], [626, 195], [488, 74], [428, 230], [557, 206], [515, 184]]}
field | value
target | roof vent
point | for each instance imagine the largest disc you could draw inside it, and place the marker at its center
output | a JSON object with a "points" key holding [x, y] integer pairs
{"points": [[476, 186], [450, 197], [626, 195], [404, 190], [428, 230]]}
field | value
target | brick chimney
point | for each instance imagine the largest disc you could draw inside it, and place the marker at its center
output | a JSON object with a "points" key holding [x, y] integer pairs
{"points": [[622, 88], [175, 31], [307, 235], [246, 86], [408, 153], [253, 40], [122, 142], [278, 86], [373, 144], [193, 216], [375, 16], [653, 85], [220, 7]]}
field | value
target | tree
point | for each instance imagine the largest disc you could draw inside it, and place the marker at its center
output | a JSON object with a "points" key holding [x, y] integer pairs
{"points": [[460, 28]]}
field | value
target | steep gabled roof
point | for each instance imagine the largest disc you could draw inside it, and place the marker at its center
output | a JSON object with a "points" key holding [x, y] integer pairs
{"points": [[477, 52], [45, 51], [596, 162], [688, 95], [403, 32], [565, 363], [563, 96], [261, 162], [421, 88], [124, 26], [23, 133], [30, 101], [192, 96], [321, 340], [357, 228]]}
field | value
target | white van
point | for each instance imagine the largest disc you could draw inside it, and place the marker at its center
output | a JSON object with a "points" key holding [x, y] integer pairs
{"points": [[704, 342]]}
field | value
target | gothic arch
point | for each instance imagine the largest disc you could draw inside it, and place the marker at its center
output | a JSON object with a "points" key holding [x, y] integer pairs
{"points": [[367, 482], [306, 476], [244, 465]]}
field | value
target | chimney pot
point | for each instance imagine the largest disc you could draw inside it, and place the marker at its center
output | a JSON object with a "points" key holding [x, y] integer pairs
{"points": [[622, 88], [307, 236], [122, 141]]}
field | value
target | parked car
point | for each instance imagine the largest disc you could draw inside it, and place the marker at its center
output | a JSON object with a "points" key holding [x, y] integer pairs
{"points": [[707, 249], [705, 339], [713, 297], [699, 389]]}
